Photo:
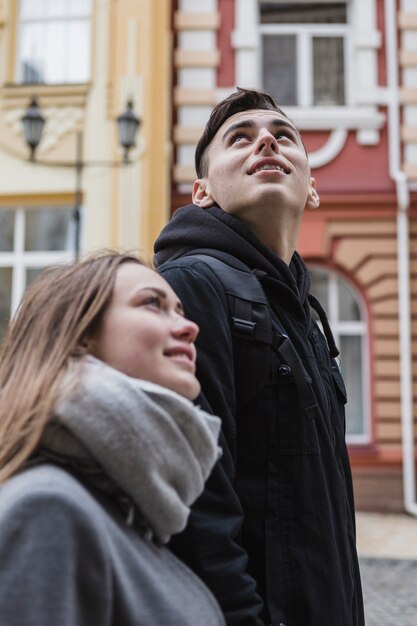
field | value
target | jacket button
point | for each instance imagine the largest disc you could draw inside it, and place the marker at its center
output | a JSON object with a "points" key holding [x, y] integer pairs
{"points": [[284, 370]]}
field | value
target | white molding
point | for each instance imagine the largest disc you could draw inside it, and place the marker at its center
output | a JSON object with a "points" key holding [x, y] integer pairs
{"points": [[329, 118], [333, 146]]}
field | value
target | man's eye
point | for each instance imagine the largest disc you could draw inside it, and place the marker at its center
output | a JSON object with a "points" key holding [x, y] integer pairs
{"points": [[238, 137], [284, 134]]}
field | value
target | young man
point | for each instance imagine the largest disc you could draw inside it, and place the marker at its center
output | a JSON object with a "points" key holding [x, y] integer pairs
{"points": [[273, 536]]}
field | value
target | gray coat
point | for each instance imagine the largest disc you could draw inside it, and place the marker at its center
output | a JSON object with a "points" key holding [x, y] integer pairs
{"points": [[69, 559], [83, 528]]}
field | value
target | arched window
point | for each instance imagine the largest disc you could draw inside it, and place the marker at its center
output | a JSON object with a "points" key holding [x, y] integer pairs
{"points": [[346, 313]]}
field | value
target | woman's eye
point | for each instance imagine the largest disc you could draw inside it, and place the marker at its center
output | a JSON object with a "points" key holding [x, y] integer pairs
{"points": [[153, 302]]}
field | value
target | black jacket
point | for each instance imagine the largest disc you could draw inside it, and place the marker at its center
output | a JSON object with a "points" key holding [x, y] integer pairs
{"points": [[279, 508]]}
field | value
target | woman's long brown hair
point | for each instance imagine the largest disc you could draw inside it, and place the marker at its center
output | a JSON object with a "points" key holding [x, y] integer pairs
{"points": [[57, 315]]}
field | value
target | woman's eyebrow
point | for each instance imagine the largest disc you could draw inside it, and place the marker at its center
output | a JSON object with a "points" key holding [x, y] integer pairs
{"points": [[163, 294]]}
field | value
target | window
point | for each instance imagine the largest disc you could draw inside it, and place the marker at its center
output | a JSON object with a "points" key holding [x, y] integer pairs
{"points": [[345, 311], [30, 239], [54, 41], [304, 52]]}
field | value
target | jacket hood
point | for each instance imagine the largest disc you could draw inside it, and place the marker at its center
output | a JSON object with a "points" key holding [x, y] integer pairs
{"points": [[192, 227]]}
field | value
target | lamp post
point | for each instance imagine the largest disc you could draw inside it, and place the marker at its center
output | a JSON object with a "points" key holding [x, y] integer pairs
{"points": [[33, 125]]}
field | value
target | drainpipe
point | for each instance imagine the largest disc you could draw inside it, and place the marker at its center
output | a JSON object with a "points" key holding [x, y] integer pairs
{"points": [[403, 255]]}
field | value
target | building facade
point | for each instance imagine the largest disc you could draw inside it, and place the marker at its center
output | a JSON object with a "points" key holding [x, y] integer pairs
{"points": [[83, 60], [346, 73]]}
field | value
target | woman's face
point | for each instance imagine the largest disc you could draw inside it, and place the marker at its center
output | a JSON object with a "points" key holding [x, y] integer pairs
{"points": [[144, 333]]}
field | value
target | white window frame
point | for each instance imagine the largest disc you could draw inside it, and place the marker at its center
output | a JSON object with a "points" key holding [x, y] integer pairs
{"points": [[44, 20], [363, 95], [19, 260], [351, 328], [304, 34]]}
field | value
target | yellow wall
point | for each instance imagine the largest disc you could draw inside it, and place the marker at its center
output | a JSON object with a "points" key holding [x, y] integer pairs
{"points": [[139, 60]]}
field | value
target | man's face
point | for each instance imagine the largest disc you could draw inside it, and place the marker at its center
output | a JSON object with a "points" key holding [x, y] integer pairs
{"points": [[256, 161]]}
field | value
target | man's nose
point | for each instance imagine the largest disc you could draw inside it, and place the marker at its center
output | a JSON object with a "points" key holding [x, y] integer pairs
{"points": [[266, 141]]}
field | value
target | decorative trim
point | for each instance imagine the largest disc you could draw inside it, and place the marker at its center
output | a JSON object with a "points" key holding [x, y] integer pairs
{"points": [[196, 58], [408, 95], [410, 170], [407, 21], [408, 58], [331, 118], [17, 96], [409, 134], [333, 146], [184, 97], [186, 135], [184, 173], [61, 121], [196, 21], [34, 200]]}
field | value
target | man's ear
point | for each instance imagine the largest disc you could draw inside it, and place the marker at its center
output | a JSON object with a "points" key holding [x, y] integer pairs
{"points": [[201, 194], [313, 199]]}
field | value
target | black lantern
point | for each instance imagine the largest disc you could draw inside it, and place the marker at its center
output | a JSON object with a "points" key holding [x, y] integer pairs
{"points": [[128, 124], [33, 123]]}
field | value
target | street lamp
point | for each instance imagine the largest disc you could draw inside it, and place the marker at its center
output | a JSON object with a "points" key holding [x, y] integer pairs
{"points": [[33, 125], [128, 125]]}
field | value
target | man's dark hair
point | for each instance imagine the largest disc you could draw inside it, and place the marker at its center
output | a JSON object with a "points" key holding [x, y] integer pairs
{"points": [[240, 100]]}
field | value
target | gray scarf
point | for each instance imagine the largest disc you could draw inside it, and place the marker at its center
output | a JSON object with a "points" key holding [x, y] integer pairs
{"points": [[153, 444]]}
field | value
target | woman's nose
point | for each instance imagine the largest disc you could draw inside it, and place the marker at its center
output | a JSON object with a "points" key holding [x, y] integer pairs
{"points": [[185, 329], [266, 141]]}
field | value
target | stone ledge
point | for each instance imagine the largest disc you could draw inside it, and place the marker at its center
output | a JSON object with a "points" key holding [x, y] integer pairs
{"points": [[196, 58], [18, 96], [196, 21]]}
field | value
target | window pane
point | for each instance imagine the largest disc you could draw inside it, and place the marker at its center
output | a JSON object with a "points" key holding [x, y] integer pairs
{"points": [[328, 71], [351, 366], [348, 306], [31, 8], [306, 13], [6, 231], [5, 297], [32, 273], [48, 229], [56, 8], [280, 68], [31, 64], [79, 7], [55, 41], [78, 52]]}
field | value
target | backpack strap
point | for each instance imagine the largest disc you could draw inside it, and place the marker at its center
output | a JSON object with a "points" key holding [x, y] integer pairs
{"points": [[249, 318], [245, 290], [251, 328]]}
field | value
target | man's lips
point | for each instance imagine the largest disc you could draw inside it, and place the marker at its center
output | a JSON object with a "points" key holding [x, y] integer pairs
{"points": [[269, 165]]}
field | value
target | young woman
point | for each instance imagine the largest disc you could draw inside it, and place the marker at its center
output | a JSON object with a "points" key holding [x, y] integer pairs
{"points": [[101, 452]]}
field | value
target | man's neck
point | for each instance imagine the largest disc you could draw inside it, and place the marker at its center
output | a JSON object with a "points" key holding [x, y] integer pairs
{"points": [[280, 236]]}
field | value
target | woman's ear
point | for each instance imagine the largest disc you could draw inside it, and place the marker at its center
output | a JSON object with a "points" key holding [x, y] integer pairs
{"points": [[313, 198], [201, 194]]}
